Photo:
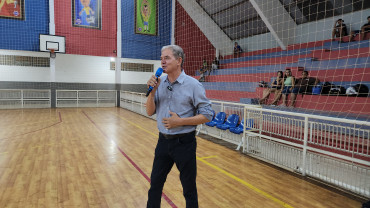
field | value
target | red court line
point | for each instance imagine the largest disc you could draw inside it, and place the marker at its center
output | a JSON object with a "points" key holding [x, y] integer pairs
{"points": [[60, 121], [130, 160]]}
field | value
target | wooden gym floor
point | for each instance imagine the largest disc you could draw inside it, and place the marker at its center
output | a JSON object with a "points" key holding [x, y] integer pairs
{"points": [[102, 157]]}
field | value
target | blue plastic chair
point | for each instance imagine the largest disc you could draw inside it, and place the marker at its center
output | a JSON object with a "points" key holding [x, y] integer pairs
{"points": [[239, 129], [219, 119], [232, 121]]}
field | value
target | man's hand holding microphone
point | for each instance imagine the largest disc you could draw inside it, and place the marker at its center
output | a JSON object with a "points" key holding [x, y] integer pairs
{"points": [[154, 81]]}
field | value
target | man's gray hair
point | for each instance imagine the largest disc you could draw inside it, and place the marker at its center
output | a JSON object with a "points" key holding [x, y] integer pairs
{"points": [[176, 51]]}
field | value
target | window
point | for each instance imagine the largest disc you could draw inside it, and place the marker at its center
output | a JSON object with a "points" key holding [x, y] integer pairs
{"points": [[138, 67], [12, 60]]}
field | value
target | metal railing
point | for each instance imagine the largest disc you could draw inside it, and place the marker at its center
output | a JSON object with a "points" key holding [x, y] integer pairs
{"points": [[86, 98], [333, 150], [24, 98]]}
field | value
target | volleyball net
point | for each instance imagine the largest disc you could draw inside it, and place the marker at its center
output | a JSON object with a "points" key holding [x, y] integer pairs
{"points": [[102, 37]]}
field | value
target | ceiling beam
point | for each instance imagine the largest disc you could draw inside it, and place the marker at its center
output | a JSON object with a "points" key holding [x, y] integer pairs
{"points": [[241, 22], [210, 29], [280, 24], [228, 8]]}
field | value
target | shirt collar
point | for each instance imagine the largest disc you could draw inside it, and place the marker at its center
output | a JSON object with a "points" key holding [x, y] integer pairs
{"points": [[179, 79]]}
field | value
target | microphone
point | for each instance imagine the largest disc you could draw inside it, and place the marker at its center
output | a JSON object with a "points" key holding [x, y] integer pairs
{"points": [[158, 73]]}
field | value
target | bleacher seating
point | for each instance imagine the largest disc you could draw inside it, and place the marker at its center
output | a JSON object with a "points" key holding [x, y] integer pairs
{"points": [[218, 119], [343, 64], [231, 121], [239, 128]]}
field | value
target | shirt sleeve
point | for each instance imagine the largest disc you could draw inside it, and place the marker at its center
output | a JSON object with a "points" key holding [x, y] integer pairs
{"points": [[201, 102]]}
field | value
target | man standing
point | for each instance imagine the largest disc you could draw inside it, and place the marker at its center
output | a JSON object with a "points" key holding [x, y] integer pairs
{"points": [[180, 104], [304, 85]]}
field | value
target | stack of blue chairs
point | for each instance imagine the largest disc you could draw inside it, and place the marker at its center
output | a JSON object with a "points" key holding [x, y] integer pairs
{"points": [[232, 121], [239, 129], [218, 119]]}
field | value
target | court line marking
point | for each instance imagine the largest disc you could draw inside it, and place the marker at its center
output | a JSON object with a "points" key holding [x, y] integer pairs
{"points": [[224, 172], [60, 121], [246, 184], [212, 156], [21, 149], [169, 201], [31, 123]]}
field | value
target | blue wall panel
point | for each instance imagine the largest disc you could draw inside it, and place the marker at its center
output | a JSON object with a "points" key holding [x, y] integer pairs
{"points": [[145, 46], [24, 34]]}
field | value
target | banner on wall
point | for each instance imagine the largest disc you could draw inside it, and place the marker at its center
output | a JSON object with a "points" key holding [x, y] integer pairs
{"points": [[146, 17], [12, 9], [86, 13]]}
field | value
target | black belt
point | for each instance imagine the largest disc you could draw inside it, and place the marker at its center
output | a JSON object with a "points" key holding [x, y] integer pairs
{"points": [[173, 136]]}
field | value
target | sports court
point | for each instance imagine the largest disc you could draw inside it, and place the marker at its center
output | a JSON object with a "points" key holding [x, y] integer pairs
{"points": [[74, 127]]}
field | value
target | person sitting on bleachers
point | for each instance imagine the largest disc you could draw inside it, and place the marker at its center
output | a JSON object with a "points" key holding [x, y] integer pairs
{"points": [[275, 88], [237, 50], [203, 70], [205, 65], [364, 29], [288, 86], [303, 85], [339, 30], [201, 78], [215, 64]]}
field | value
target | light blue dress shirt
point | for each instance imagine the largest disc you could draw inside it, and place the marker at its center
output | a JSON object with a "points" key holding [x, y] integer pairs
{"points": [[186, 97]]}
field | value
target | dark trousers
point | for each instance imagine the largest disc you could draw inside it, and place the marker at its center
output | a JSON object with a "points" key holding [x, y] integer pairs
{"points": [[182, 152]]}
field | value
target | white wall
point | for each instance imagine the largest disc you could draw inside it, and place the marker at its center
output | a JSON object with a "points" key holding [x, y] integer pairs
{"points": [[73, 69], [83, 69], [321, 30], [129, 77], [258, 42], [23, 73]]}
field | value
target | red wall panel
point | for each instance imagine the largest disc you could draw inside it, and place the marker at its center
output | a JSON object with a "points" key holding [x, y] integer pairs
{"points": [[87, 41], [195, 44]]}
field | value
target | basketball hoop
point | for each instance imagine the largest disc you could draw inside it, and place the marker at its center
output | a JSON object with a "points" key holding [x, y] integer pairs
{"points": [[52, 53]]}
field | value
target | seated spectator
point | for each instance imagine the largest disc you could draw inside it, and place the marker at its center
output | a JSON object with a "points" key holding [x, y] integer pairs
{"points": [[304, 85], [215, 64], [205, 65], [203, 70], [288, 86], [364, 29], [339, 30], [237, 50], [275, 88], [202, 77]]}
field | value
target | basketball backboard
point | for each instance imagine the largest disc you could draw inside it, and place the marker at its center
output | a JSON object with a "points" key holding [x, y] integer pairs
{"points": [[52, 42]]}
